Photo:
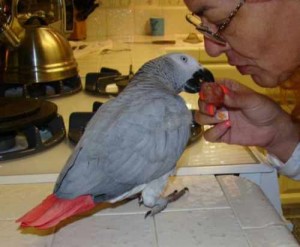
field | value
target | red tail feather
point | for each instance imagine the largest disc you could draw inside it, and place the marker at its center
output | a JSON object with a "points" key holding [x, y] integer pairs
{"points": [[53, 210]]}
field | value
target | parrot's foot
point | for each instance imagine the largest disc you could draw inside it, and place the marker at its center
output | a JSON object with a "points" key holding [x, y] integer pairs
{"points": [[162, 202]]}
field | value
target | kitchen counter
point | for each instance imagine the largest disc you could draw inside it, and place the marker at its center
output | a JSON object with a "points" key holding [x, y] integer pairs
{"points": [[218, 211]]}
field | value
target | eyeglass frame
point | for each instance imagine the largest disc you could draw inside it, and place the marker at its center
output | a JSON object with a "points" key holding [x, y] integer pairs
{"points": [[205, 30]]}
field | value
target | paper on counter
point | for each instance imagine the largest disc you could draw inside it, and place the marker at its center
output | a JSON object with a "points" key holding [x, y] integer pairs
{"points": [[83, 48]]}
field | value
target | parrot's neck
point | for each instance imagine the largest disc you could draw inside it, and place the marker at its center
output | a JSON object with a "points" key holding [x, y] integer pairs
{"points": [[148, 84], [153, 75]]}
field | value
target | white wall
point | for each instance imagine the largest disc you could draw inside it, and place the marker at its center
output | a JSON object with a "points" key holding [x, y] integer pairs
{"points": [[121, 18]]}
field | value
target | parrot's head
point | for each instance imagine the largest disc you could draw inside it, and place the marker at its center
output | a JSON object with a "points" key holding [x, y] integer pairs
{"points": [[183, 72]]}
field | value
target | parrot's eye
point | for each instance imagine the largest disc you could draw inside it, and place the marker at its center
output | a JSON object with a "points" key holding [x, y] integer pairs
{"points": [[184, 59]]}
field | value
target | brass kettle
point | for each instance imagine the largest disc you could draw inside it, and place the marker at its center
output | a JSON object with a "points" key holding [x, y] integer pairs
{"points": [[34, 52]]}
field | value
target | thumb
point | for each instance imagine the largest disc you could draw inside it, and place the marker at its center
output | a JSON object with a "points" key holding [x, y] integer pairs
{"points": [[236, 95], [238, 99], [215, 133]]}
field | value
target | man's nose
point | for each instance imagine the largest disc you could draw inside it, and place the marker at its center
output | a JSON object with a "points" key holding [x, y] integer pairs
{"points": [[214, 49]]}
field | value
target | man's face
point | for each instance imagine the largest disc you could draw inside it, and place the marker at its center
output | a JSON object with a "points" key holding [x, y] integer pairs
{"points": [[262, 39]]}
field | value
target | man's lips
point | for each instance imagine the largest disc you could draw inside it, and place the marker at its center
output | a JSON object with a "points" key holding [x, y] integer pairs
{"points": [[242, 66], [243, 69]]}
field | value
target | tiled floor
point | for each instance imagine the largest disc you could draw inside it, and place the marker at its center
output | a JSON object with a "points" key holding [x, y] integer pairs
{"points": [[217, 211]]}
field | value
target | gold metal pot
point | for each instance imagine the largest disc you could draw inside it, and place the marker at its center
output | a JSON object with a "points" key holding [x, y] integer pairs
{"points": [[38, 53]]}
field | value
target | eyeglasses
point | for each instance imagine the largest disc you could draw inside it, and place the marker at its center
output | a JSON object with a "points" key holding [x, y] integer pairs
{"points": [[205, 30]]}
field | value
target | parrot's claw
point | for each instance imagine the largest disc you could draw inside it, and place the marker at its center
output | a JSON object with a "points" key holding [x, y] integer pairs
{"points": [[172, 194], [148, 213], [162, 202], [160, 205], [140, 200], [176, 195]]}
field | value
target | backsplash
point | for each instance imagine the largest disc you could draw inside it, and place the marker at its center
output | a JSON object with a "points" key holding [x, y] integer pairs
{"points": [[130, 3], [126, 18]]}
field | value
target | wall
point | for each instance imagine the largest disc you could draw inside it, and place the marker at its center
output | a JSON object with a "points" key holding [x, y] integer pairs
{"points": [[126, 18]]}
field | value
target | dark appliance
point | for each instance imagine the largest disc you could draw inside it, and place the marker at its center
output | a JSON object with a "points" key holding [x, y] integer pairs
{"points": [[79, 120], [28, 126], [96, 83]]}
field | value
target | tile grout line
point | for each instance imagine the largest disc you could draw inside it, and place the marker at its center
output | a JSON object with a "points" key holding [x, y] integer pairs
{"points": [[155, 231], [163, 212], [233, 211]]}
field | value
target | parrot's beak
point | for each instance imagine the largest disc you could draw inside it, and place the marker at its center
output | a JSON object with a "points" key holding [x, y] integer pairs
{"points": [[193, 85]]}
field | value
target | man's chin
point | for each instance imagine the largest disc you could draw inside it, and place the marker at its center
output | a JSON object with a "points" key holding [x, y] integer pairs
{"points": [[266, 82]]}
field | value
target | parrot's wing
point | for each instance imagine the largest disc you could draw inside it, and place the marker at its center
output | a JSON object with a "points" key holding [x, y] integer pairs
{"points": [[125, 146], [149, 140]]}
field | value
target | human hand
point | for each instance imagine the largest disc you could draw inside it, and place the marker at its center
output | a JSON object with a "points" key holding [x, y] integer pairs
{"points": [[253, 120]]}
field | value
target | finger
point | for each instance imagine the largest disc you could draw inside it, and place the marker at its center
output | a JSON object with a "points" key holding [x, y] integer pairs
{"points": [[206, 108], [236, 94], [211, 110], [204, 119], [222, 114], [224, 88], [216, 133], [232, 85], [241, 99]]}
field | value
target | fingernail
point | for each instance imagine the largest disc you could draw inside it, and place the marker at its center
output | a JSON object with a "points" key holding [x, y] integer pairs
{"points": [[201, 95], [210, 109], [224, 89], [227, 123]]}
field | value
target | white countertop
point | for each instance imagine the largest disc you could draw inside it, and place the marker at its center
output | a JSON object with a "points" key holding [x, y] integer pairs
{"points": [[217, 211]]}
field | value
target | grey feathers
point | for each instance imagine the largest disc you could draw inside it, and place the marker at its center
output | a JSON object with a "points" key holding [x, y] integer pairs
{"points": [[135, 138]]}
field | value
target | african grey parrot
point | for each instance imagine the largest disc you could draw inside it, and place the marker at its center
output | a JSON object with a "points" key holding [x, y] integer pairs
{"points": [[130, 146]]}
